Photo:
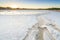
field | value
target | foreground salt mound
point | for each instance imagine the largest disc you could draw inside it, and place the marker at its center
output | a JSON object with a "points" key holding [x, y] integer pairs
{"points": [[15, 27]]}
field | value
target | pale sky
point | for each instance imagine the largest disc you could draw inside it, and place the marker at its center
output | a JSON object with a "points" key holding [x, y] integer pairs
{"points": [[30, 3]]}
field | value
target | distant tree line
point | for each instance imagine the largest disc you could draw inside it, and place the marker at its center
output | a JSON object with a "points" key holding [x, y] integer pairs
{"points": [[9, 8], [4, 8], [53, 9]]}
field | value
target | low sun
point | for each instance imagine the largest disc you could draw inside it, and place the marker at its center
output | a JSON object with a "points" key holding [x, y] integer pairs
{"points": [[13, 6]]}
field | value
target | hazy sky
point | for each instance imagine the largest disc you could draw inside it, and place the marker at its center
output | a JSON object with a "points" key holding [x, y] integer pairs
{"points": [[30, 3]]}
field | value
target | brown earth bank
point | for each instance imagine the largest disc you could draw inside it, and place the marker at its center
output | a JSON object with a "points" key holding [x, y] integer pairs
{"points": [[56, 10]]}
